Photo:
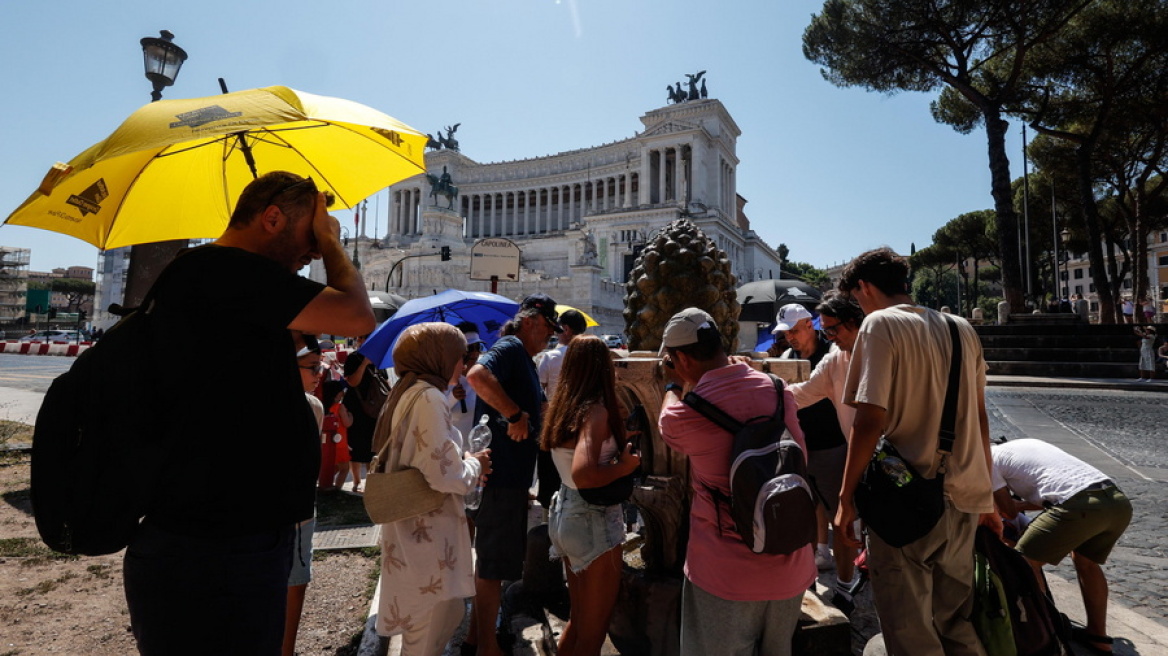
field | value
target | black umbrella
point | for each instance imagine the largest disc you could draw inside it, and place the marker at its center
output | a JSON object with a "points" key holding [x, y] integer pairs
{"points": [[760, 300], [385, 304]]}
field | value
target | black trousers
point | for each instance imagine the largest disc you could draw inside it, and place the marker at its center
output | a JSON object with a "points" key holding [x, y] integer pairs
{"points": [[208, 595]]}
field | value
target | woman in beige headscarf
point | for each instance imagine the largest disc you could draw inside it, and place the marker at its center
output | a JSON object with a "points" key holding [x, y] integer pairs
{"points": [[426, 568]]}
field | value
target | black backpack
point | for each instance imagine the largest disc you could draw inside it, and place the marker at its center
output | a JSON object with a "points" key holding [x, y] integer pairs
{"points": [[97, 448], [770, 501]]}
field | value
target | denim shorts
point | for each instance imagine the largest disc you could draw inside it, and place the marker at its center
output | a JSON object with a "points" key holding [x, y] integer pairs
{"points": [[581, 531]]}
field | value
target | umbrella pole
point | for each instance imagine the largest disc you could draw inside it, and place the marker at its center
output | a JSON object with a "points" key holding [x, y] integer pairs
{"points": [[247, 157]]}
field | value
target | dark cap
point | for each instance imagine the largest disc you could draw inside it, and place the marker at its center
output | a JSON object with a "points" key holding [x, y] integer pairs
{"points": [[546, 307]]}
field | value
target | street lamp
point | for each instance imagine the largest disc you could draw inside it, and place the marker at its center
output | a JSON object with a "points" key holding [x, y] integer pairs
{"points": [[162, 60], [1065, 238]]}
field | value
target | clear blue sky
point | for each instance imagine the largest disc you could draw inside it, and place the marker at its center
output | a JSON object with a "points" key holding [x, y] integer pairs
{"points": [[828, 171]]}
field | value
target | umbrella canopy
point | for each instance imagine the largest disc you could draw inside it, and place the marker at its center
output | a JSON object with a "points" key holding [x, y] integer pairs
{"points": [[588, 321], [174, 168], [488, 311], [760, 300]]}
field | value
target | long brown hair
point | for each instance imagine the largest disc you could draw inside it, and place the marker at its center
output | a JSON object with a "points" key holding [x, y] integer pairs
{"points": [[587, 378]]}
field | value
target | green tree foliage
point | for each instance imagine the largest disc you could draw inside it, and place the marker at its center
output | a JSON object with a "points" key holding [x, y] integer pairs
{"points": [[76, 291], [975, 51], [970, 239], [1101, 85], [817, 278], [934, 280]]}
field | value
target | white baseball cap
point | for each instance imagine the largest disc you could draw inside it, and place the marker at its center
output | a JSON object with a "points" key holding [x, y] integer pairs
{"points": [[789, 315]]}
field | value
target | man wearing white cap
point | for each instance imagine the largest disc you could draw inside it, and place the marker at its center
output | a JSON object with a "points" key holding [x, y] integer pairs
{"points": [[733, 601], [827, 447]]}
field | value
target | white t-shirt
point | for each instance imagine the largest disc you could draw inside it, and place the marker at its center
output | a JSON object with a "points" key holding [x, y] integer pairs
{"points": [[549, 369], [1037, 471], [827, 382], [463, 421]]}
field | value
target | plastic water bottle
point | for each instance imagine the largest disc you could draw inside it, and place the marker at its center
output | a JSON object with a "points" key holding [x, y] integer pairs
{"points": [[480, 439], [896, 470]]}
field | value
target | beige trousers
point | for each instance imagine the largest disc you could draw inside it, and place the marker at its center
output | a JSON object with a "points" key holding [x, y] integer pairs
{"points": [[924, 591]]}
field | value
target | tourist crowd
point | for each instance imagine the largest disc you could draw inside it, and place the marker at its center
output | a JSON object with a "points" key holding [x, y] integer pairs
{"points": [[885, 373]]}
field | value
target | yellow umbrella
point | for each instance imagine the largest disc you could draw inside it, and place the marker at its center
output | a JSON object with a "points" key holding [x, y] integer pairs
{"points": [[588, 321], [174, 168]]}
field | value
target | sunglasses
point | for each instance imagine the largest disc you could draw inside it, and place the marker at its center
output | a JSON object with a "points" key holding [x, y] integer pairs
{"points": [[829, 331], [316, 368]]}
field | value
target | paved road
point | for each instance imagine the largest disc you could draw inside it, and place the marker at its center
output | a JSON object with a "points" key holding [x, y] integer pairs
{"points": [[23, 379]]}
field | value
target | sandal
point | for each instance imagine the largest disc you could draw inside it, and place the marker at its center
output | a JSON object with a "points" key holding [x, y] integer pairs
{"points": [[1092, 641]]}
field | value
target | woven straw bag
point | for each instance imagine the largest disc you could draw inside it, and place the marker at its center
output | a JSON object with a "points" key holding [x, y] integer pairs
{"points": [[393, 493]]}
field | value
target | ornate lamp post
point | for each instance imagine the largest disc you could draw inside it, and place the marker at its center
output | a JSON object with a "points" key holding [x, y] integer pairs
{"points": [[162, 60]]}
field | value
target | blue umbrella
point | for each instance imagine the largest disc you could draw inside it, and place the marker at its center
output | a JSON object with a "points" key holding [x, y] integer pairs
{"points": [[488, 311]]}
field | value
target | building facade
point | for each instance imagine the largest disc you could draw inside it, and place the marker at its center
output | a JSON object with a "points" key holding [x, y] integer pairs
{"points": [[579, 217], [13, 283]]}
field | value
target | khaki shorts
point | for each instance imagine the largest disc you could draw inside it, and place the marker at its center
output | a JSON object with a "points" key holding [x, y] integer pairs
{"points": [[1088, 523]]}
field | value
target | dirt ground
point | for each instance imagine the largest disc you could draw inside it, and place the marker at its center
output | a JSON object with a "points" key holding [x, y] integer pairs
{"points": [[53, 604]]}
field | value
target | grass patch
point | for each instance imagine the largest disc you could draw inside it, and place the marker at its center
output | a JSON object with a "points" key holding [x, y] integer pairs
{"points": [[14, 431], [99, 571], [31, 549], [340, 509], [46, 586]]}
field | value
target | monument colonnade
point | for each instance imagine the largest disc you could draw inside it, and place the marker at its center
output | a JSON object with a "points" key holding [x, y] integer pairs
{"points": [[554, 208]]}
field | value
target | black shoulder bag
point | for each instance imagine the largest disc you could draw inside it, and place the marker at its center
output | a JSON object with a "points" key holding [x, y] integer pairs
{"points": [[893, 499]]}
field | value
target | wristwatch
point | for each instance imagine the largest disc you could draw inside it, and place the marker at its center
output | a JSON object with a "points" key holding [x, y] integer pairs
{"points": [[515, 417], [673, 387]]}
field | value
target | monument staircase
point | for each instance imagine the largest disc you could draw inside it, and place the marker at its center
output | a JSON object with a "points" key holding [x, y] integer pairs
{"points": [[1060, 345]]}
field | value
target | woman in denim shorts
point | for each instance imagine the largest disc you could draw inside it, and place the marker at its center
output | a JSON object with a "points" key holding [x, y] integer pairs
{"points": [[586, 437]]}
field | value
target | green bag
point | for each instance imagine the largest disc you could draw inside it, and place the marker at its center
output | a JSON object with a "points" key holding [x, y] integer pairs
{"points": [[990, 618]]}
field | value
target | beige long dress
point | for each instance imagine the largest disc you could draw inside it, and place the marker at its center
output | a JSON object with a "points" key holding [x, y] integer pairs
{"points": [[427, 559]]}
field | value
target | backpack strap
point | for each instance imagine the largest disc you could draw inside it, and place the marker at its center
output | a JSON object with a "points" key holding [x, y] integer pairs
{"points": [[723, 420]]}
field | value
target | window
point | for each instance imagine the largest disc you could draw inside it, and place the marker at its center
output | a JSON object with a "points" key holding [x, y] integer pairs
{"points": [[1127, 283], [1091, 288], [1079, 290], [1078, 274], [1094, 306], [1163, 260]]}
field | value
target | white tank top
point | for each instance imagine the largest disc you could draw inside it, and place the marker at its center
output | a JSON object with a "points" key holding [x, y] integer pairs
{"points": [[562, 457]]}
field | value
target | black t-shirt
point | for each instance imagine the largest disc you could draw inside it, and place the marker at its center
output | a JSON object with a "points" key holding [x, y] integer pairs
{"points": [[246, 445], [819, 422], [361, 432], [512, 463]]}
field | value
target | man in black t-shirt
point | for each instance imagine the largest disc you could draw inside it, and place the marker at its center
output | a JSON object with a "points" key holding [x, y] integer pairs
{"points": [[507, 384], [207, 571]]}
